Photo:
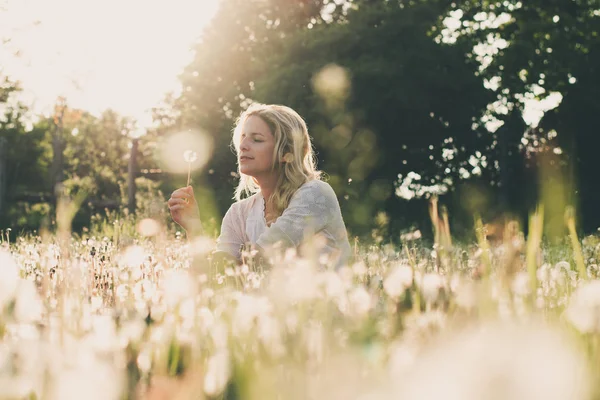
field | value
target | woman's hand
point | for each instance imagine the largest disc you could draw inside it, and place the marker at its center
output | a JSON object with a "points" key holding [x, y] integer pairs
{"points": [[184, 210]]}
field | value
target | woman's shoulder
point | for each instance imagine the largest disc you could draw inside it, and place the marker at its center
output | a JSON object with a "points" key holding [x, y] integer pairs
{"points": [[317, 188]]}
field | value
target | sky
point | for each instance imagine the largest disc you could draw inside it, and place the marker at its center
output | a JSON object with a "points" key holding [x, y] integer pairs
{"points": [[99, 54]]}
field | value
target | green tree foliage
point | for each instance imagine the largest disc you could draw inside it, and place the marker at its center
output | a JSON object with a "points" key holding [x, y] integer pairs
{"points": [[551, 46], [97, 152], [27, 158]]}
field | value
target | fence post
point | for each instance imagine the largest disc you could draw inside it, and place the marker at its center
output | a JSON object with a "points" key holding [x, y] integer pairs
{"points": [[2, 173], [131, 173]]}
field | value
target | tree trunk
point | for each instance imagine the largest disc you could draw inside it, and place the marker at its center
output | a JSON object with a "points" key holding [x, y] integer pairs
{"points": [[58, 147], [131, 173], [3, 151]]}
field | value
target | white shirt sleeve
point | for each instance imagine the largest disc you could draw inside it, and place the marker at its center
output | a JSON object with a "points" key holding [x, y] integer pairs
{"points": [[231, 238], [310, 210]]}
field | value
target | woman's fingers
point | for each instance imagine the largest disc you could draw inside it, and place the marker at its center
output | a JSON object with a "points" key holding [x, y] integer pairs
{"points": [[175, 201], [176, 207], [182, 194]]}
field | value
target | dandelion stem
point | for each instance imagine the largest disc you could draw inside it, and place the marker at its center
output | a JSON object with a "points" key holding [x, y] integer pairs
{"points": [[189, 173], [536, 226], [577, 252]]}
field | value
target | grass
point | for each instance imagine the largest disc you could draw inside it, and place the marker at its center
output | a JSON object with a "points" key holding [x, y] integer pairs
{"points": [[121, 312]]}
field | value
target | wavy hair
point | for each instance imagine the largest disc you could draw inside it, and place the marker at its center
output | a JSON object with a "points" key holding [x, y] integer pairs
{"points": [[292, 145]]}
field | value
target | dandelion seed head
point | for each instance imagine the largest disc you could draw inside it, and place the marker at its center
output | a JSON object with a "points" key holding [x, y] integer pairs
{"points": [[9, 277], [28, 307], [398, 280], [359, 269], [498, 361], [177, 286], [144, 360], [190, 156], [148, 227], [465, 295], [133, 256], [201, 245], [584, 308], [196, 148], [360, 302], [520, 284], [431, 284], [295, 282], [217, 374], [88, 382]]}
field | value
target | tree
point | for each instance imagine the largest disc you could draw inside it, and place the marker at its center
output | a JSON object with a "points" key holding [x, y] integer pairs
{"points": [[26, 158], [537, 48]]}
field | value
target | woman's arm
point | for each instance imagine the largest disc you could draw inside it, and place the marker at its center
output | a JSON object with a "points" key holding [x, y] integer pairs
{"points": [[310, 210]]}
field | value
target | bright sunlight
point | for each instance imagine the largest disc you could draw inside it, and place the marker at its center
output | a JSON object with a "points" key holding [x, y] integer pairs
{"points": [[98, 54]]}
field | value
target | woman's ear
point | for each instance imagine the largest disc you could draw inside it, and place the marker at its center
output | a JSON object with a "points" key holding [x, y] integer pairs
{"points": [[288, 157]]}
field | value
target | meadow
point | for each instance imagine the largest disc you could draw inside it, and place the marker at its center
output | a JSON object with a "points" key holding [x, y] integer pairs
{"points": [[131, 310]]}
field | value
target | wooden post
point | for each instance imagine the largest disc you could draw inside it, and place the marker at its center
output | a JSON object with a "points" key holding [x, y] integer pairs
{"points": [[58, 145], [131, 174], [3, 167]]}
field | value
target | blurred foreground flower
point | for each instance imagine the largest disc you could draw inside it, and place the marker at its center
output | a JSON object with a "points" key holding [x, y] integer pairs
{"points": [[584, 308], [217, 375], [499, 362], [398, 280], [9, 277]]}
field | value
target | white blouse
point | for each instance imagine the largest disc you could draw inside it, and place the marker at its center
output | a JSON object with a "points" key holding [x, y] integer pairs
{"points": [[313, 209]]}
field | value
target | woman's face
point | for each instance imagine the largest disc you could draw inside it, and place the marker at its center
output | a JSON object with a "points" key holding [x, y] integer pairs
{"points": [[255, 155]]}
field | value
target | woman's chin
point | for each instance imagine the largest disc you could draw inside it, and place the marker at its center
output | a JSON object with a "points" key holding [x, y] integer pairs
{"points": [[246, 171]]}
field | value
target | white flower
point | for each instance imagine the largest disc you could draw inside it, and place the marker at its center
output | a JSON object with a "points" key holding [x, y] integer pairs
{"points": [[96, 380], [332, 283], [132, 257], [520, 284], [500, 362], [400, 278], [148, 227], [217, 374], [28, 307], [360, 268], [177, 286], [402, 357], [294, 283], [465, 297], [190, 156], [584, 308], [431, 284], [269, 333], [9, 277], [360, 301], [103, 335], [249, 309]]}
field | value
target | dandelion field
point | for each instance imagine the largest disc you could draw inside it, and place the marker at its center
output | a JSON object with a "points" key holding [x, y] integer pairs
{"points": [[135, 312]]}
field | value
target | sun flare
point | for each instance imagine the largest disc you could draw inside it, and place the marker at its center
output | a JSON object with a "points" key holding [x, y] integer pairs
{"points": [[123, 55]]}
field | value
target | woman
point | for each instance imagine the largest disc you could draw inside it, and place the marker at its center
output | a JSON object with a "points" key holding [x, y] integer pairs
{"points": [[287, 203]]}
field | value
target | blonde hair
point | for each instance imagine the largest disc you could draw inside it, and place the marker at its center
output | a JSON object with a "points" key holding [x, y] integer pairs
{"points": [[292, 144]]}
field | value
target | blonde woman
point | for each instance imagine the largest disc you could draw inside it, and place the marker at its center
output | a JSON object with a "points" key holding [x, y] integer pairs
{"points": [[281, 201]]}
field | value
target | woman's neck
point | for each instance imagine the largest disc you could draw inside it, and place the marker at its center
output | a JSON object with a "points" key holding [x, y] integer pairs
{"points": [[267, 186]]}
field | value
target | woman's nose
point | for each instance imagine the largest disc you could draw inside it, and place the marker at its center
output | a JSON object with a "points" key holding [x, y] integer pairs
{"points": [[244, 144]]}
